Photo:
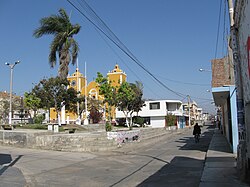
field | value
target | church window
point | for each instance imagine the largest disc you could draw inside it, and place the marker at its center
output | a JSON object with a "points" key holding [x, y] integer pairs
{"points": [[73, 83]]}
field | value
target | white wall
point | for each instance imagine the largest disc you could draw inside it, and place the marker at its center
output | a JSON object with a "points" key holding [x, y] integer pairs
{"points": [[157, 122], [157, 116]]}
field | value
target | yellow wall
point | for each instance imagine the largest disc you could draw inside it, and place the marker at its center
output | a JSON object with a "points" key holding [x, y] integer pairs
{"points": [[116, 76]]}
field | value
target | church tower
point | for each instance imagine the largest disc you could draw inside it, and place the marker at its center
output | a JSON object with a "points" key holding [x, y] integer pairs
{"points": [[117, 76], [76, 81]]}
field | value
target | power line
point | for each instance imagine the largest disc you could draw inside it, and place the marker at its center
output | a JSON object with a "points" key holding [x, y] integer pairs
{"points": [[115, 40], [181, 82], [125, 63], [218, 31], [121, 46]]}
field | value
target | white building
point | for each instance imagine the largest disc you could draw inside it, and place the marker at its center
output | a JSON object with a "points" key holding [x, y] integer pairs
{"points": [[154, 113]]}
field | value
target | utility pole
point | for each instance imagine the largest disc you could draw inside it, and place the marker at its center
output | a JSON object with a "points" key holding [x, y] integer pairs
{"points": [[241, 161], [86, 121], [189, 120], [78, 120]]}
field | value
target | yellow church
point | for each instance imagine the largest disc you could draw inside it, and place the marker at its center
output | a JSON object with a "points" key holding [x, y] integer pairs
{"points": [[78, 81]]}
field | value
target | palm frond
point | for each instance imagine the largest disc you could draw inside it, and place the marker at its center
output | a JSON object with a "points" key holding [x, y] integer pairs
{"points": [[74, 30], [64, 15]]}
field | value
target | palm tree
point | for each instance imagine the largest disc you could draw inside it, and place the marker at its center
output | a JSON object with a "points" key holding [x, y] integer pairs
{"points": [[63, 43]]}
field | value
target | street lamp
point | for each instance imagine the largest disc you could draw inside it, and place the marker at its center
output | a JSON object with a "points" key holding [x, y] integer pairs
{"points": [[11, 81], [201, 70]]}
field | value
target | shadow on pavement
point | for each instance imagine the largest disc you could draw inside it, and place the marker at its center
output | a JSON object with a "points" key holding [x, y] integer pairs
{"points": [[206, 136], [6, 160], [10, 176], [181, 171]]}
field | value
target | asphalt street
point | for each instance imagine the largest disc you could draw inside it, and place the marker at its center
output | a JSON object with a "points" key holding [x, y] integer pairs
{"points": [[174, 160]]}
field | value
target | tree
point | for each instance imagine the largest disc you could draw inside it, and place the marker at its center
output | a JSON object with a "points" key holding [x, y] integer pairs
{"points": [[4, 112], [138, 102], [32, 102], [108, 91], [53, 92], [5, 107], [63, 43], [125, 98], [129, 99]]}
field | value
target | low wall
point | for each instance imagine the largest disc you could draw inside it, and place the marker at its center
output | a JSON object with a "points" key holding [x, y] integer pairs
{"points": [[77, 142], [124, 136]]}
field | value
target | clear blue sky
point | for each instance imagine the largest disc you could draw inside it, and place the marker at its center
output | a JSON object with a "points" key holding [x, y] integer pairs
{"points": [[172, 38]]}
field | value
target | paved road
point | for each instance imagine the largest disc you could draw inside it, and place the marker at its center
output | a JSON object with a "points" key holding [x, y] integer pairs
{"points": [[175, 160]]}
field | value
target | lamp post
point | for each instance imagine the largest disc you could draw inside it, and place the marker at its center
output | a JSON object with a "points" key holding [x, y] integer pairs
{"points": [[11, 83], [201, 70]]}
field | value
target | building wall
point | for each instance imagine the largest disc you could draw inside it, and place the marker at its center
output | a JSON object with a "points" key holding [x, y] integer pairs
{"points": [[116, 76], [242, 21], [157, 121], [222, 72], [157, 116]]}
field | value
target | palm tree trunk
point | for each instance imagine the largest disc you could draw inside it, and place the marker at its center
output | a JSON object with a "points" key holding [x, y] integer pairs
{"points": [[64, 63]]}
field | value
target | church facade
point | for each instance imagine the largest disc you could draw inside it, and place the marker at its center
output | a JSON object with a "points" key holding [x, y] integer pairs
{"points": [[78, 81]]}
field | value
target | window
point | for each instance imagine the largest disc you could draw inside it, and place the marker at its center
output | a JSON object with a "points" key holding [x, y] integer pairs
{"points": [[154, 106]]}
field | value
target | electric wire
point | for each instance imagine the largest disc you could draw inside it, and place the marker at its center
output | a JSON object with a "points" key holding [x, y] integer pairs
{"points": [[181, 82], [218, 31], [115, 40], [125, 63], [126, 51]]}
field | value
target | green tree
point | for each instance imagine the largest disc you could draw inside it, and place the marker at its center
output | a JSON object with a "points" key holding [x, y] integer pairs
{"points": [[125, 98], [53, 92], [108, 91], [63, 43], [129, 100], [32, 102], [138, 102]]}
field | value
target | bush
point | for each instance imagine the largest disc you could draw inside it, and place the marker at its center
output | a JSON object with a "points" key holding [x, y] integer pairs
{"points": [[108, 126], [138, 120], [170, 120], [95, 115], [38, 119]]}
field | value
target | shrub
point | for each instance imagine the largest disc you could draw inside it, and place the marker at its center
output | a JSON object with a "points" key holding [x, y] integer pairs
{"points": [[138, 120], [170, 120], [108, 126], [38, 119], [95, 115]]}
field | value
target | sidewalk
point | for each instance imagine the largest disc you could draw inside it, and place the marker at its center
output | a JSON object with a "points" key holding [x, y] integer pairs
{"points": [[220, 164]]}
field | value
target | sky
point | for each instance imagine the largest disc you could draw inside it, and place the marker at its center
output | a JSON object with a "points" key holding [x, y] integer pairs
{"points": [[173, 39]]}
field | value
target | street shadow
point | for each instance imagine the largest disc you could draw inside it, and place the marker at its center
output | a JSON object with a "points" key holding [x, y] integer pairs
{"points": [[203, 144], [6, 161], [181, 171], [139, 169]]}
